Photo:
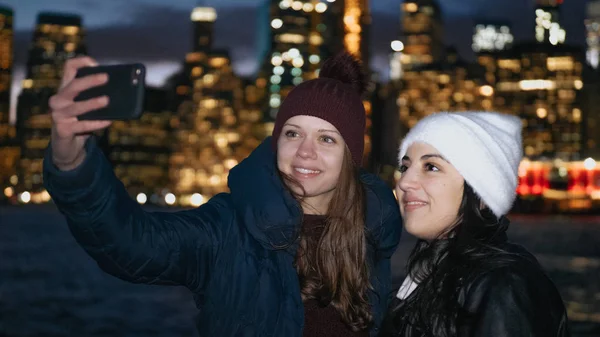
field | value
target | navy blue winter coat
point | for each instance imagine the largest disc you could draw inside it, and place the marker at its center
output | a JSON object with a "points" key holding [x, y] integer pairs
{"points": [[235, 253]]}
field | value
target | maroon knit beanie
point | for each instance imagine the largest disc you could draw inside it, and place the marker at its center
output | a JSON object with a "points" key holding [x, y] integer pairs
{"points": [[335, 97]]}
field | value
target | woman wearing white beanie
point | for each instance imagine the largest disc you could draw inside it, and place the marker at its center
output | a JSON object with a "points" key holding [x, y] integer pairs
{"points": [[459, 177]]}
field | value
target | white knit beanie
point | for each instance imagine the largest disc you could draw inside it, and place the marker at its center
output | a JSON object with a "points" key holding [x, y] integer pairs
{"points": [[485, 148]]}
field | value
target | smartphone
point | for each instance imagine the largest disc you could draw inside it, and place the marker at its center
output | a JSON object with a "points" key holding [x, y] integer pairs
{"points": [[125, 89]]}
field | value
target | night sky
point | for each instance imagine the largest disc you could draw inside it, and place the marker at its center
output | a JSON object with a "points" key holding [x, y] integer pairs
{"points": [[158, 32]]}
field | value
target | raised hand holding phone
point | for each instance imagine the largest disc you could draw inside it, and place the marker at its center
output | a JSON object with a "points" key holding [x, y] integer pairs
{"points": [[90, 96], [68, 132]]}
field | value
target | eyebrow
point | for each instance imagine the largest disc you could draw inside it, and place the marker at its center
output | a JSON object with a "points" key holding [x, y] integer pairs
{"points": [[427, 156], [320, 130], [326, 130]]}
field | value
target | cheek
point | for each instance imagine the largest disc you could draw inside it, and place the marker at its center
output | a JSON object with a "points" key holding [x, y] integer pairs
{"points": [[398, 191], [283, 158], [399, 194], [284, 150], [457, 199], [279, 161], [449, 199], [454, 194], [333, 159]]}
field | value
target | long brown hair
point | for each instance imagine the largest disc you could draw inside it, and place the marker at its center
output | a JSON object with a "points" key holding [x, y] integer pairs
{"points": [[336, 271]]}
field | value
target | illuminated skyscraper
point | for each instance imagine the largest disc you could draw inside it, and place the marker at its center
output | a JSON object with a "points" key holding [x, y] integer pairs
{"points": [[427, 78], [57, 37], [422, 34], [139, 149], [203, 19], [547, 26], [303, 35], [489, 40], [298, 47], [430, 79], [446, 86], [592, 25], [348, 23], [206, 133], [212, 130], [250, 116], [421, 40], [491, 37], [357, 23], [9, 149], [541, 84]]}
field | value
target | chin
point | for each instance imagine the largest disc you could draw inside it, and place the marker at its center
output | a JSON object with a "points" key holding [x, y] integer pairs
{"points": [[415, 228], [305, 191], [409, 227], [310, 192], [419, 235]]}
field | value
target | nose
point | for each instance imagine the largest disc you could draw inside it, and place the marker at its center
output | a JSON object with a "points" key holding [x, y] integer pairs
{"points": [[307, 150], [409, 180]]}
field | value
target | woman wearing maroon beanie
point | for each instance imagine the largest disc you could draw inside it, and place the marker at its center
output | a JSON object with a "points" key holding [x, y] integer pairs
{"points": [[300, 246]]}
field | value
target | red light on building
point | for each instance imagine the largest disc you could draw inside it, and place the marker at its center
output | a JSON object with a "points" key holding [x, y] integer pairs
{"points": [[578, 180], [533, 179], [523, 189]]}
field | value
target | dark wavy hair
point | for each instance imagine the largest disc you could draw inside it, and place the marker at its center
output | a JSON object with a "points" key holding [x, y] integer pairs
{"points": [[439, 266]]}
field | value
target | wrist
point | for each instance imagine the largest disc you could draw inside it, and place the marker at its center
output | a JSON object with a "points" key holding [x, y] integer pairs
{"points": [[72, 164]]}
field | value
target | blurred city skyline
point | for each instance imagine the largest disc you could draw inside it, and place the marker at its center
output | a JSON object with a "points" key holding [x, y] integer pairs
{"points": [[527, 58], [517, 58], [160, 35]]}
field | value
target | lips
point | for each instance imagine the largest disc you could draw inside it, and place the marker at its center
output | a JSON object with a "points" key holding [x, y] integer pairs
{"points": [[305, 172], [413, 204]]}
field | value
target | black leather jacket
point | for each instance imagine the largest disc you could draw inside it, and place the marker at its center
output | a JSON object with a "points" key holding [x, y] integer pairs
{"points": [[506, 299]]}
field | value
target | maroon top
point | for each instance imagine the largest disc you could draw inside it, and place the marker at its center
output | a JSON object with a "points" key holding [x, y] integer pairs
{"points": [[319, 320]]}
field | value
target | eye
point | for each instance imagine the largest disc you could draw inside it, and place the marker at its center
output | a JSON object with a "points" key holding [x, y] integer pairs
{"points": [[328, 140], [291, 134], [403, 168], [431, 167]]}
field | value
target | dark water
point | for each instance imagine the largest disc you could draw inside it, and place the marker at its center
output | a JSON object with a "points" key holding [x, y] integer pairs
{"points": [[50, 287]]}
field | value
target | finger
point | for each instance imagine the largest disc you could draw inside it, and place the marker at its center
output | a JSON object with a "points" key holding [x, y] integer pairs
{"points": [[66, 95], [73, 126], [82, 127], [81, 84], [72, 65], [80, 108]]}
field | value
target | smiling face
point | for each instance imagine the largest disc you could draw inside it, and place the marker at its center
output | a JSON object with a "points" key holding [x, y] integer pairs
{"points": [[310, 150], [429, 191]]}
